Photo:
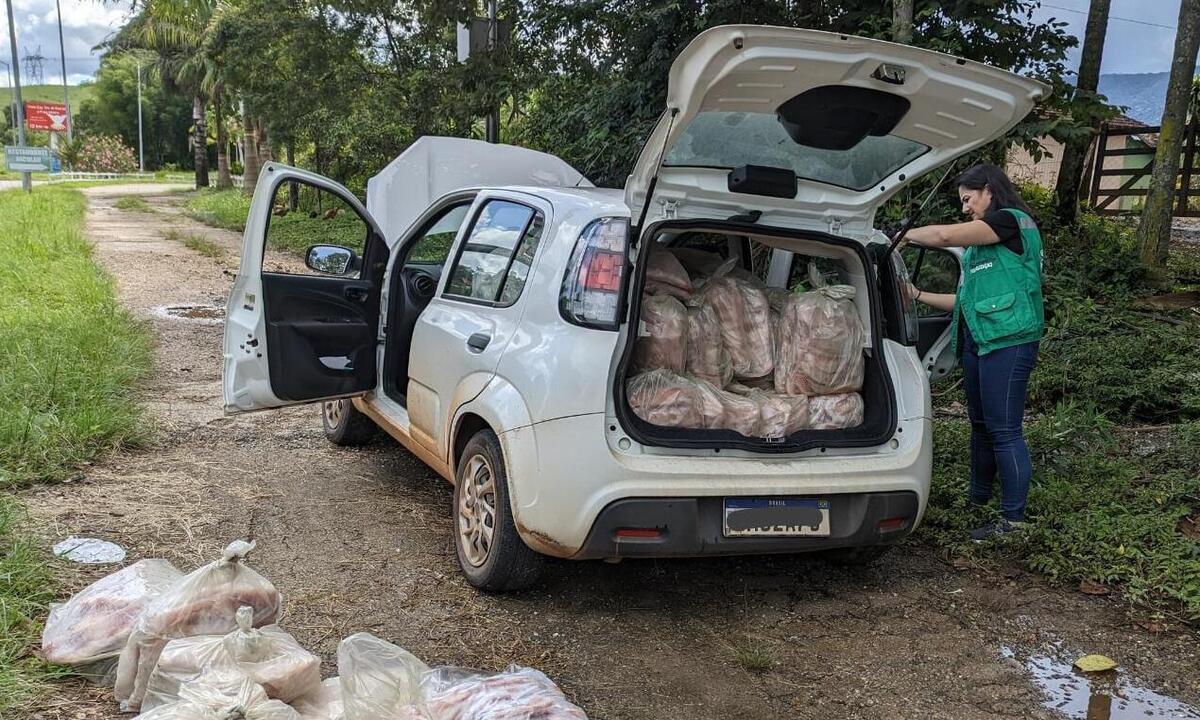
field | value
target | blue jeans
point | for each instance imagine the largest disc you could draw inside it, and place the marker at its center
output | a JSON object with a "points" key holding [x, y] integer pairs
{"points": [[996, 385]]}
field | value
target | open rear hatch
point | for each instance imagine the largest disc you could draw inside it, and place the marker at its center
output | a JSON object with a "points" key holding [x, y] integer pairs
{"points": [[792, 138]]}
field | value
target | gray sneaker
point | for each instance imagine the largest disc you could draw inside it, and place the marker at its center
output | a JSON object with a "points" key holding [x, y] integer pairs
{"points": [[996, 530]]}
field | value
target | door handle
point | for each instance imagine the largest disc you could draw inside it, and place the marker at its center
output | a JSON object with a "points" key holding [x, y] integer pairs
{"points": [[357, 293], [478, 342]]}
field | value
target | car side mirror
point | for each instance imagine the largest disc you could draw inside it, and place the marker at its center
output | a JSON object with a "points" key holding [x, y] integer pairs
{"points": [[331, 259]]}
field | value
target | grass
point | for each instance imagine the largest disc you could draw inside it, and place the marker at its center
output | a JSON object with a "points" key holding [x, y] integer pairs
{"points": [[26, 587], [199, 243], [70, 356], [754, 656], [69, 351], [292, 232], [132, 203]]}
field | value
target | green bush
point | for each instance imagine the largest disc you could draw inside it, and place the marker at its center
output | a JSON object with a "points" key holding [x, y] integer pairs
{"points": [[1106, 505], [100, 153]]}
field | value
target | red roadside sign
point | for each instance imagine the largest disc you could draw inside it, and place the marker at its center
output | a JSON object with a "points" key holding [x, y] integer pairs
{"points": [[46, 116]]}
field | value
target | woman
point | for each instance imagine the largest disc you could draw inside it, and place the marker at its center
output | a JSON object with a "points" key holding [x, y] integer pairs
{"points": [[997, 325]]}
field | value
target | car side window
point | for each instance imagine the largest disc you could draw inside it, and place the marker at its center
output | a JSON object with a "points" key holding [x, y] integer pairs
{"points": [[933, 270], [433, 247], [505, 234], [304, 215]]}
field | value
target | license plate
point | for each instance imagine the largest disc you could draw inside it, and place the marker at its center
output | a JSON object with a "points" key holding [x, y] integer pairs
{"points": [[776, 517]]}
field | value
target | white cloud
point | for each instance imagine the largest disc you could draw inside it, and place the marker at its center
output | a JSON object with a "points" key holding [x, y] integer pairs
{"points": [[86, 23]]}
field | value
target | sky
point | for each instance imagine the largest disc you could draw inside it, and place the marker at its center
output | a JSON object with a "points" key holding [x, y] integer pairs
{"points": [[1140, 37]]}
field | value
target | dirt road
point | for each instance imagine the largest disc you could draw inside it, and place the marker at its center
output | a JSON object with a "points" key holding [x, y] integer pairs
{"points": [[360, 541]]}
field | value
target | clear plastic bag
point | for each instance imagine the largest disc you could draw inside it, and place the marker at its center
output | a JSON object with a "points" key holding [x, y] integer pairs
{"points": [[668, 399], [222, 697], [664, 344], [697, 262], [205, 602], [820, 348], [779, 415], [518, 693], [745, 321], [324, 703], [379, 680], [664, 270], [267, 656], [272, 658], [96, 622], [707, 357], [835, 412]]}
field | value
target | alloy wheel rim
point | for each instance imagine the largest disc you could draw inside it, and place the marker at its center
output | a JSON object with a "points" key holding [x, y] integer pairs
{"points": [[477, 510]]}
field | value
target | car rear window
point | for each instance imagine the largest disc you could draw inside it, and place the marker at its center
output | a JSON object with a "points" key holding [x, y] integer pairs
{"points": [[721, 139]]}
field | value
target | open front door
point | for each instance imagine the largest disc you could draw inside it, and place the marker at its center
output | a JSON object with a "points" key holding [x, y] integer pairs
{"points": [[935, 270], [302, 321]]}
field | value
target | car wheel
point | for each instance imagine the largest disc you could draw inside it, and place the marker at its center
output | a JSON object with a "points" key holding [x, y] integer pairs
{"points": [[857, 555], [492, 555], [345, 425]]}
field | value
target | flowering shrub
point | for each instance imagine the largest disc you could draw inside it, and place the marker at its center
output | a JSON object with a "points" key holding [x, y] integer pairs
{"points": [[101, 153]]}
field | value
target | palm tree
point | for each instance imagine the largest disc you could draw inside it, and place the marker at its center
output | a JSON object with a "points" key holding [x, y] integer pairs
{"points": [[176, 30]]}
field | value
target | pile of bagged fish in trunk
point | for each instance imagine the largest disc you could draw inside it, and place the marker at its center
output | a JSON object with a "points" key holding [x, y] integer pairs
{"points": [[206, 646]]}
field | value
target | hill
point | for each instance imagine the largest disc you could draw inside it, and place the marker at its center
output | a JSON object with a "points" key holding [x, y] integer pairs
{"points": [[1142, 93], [48, 93]]}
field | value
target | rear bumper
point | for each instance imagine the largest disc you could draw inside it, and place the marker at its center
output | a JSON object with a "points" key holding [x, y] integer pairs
{"points": [[691, 527]]}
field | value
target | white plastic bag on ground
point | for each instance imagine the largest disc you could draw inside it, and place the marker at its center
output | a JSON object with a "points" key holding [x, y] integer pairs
{"points": [[664, 343], [707, 357], [97, 621], [518, 693], [324, 703], [835, 412], [379, 680], [222, 697], [820, 345], [267, 656], [205, 602]]}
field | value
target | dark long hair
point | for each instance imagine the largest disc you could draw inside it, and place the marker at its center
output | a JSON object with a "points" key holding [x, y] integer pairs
{"points": [[1004, 193]]}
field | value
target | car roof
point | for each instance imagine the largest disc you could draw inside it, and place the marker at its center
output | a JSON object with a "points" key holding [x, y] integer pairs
{"points": [[604, 201]]}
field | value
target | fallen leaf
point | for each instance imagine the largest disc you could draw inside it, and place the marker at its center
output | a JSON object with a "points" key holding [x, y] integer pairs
{"points": [[1091, 587], [1153, 626], [1190, 527], [1095, 663], [962, 563]]}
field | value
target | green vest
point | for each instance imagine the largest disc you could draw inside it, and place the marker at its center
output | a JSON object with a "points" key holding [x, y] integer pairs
{"points": [[1001, 294]]}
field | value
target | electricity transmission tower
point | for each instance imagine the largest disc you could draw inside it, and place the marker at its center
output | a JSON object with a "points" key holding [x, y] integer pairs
{"points": [[34, 66]]}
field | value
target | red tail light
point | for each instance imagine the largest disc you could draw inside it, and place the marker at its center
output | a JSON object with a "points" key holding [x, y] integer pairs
{"points": [[892, 524], [638, 533], [591, 288]]}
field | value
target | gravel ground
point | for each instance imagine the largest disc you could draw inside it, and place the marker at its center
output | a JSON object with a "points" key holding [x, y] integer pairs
{"points": [[359, 540]]}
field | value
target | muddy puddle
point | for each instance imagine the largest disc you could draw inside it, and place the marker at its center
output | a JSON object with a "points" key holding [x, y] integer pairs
{"points": [[202, 313], [1097, 696]]}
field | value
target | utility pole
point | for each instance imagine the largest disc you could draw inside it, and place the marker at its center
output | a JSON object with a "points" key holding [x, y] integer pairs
{"points": [[12, 101], [492, 125], [26, 182], [141, 155], [66, 93]]}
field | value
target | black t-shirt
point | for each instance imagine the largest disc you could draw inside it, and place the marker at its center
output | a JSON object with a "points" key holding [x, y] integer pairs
{"points": [[1004, 224]]}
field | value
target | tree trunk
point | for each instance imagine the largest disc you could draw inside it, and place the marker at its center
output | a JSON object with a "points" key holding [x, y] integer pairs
{"points": [[265, 155], [293, 188], [200, 138], [1154, 229], [1070, 170], [224, 179], [902, 21], [249, 153]]}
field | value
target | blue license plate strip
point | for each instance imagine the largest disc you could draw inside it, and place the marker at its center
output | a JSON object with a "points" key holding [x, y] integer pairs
{"points": [[776, 517]]}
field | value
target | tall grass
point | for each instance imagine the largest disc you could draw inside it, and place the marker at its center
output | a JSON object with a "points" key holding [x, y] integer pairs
{"points": [[220, 208], [68, 352], [26, 586]]}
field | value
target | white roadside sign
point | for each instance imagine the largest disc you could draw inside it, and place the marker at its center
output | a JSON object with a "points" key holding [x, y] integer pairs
{"points": [[29, 159]]}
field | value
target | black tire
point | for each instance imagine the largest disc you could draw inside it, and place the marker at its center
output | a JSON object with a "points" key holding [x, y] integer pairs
{"points": [[857, 556], [345, 425], [502, 562]]}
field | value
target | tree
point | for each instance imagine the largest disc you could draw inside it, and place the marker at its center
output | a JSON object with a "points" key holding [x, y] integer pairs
{"points": [[1070, 172], [1154, 228], [902, 21]]}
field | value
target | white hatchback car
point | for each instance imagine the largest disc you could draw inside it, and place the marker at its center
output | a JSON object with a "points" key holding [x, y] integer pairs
{"points": [[479, 308]]}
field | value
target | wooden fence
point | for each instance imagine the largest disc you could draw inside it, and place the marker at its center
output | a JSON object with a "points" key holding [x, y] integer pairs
{"points": [[1101, 199]]}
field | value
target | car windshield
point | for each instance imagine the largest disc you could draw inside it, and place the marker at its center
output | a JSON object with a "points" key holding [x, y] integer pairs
{"points": [[731, 139]]}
